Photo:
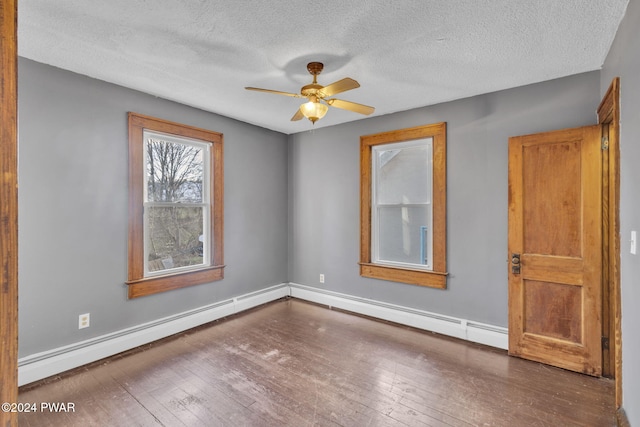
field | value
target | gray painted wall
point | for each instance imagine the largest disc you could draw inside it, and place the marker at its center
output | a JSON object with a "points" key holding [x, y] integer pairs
{"points": [[324, 232], [624, 61], [73, 208]]}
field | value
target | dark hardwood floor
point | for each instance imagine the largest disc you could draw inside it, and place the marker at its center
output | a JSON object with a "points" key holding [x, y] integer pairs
{"points": [[294, 363]]}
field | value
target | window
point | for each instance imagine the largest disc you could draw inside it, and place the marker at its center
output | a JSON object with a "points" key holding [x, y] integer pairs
{"points": [[175, 206], [403, 205]]}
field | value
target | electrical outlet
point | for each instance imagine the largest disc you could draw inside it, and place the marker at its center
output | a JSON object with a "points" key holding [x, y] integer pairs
{"points": [[321, 278], [84, 321]]}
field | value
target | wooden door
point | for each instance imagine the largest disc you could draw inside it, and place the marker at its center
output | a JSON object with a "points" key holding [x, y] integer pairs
{"points": [[555, 248]]}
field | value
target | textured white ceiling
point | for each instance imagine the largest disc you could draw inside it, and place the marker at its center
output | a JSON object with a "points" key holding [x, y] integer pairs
{"points": [[405, 54]]}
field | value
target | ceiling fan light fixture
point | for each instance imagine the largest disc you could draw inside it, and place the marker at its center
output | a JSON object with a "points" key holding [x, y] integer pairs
{"points": [[313, 111], [320, 97]]}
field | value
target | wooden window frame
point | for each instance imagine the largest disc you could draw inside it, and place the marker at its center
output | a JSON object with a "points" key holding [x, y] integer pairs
{"points": [[437, 277], [138, 284]]}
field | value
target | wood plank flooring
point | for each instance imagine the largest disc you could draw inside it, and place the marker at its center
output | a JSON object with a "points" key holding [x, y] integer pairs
{"points": [[299, 364]]}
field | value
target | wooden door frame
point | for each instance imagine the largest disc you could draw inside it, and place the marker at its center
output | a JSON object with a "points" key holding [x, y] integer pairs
{"points": [[8, 209], [609, 118]]}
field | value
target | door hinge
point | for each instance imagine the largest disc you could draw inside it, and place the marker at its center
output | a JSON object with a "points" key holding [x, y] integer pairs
{"points": [[605, 143], [605, 343]]}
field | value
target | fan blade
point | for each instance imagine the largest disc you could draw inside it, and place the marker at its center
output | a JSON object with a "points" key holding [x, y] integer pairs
{"points": [[297, 116], [337, 87], [277, 92], [351, 106]]}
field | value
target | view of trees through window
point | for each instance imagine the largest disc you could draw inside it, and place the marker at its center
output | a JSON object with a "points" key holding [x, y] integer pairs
{"points": [[176, 205]]}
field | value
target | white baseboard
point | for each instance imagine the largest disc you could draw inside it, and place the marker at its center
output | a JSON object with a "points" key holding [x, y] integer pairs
{"points": [[42, 365], [494, 336]]}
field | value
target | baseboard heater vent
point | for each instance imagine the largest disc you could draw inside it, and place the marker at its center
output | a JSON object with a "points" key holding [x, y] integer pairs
{"points": [[494, 336], [45, 364]]}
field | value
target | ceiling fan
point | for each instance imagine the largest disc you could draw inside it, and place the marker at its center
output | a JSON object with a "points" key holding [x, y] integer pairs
{"points": [[319, 96]]}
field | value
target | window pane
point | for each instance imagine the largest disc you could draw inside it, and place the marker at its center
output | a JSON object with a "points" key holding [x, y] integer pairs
{"points": [[404, 174], [175, 237], [403, 234], [174, 171]]}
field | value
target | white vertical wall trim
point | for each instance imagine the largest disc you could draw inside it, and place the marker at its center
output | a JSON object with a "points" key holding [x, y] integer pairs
{"points": [[494, 336]]}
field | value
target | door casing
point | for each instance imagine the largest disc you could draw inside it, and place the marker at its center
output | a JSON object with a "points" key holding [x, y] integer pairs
{"points": [[8, 210], [609, 118]]}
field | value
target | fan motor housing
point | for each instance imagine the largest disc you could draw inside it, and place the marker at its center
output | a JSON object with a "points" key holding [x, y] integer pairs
{"points": [[310, 89]]}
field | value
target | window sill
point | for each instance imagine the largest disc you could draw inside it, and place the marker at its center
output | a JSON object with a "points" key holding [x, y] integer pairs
{"points": [[155, 284], [432, 279]]}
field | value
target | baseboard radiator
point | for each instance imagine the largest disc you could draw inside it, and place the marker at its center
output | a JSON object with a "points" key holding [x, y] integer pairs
{"points": [[52, 362], [494, 336]]}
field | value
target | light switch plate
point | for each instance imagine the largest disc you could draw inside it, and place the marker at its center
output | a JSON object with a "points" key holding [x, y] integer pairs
{"points": [[633, 243]]}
